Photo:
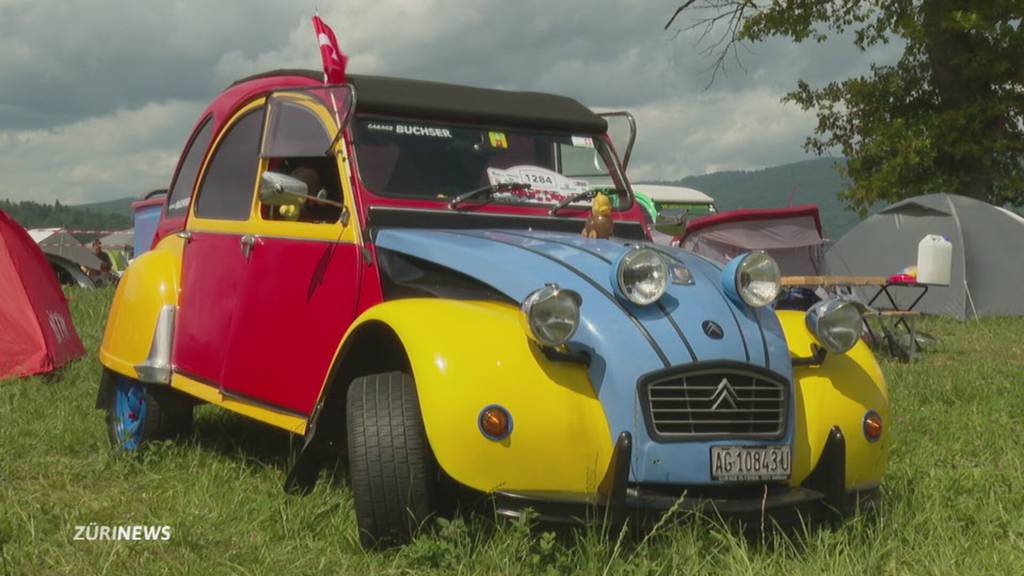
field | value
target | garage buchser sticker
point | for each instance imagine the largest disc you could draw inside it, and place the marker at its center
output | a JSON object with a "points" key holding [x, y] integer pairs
{"points": [[410, 130]]}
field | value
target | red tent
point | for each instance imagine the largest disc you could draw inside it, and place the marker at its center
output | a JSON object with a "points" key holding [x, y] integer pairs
{"points": [[36, 333], [791, 235]]}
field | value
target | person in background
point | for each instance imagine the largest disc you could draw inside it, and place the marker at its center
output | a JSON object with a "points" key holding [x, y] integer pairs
{"points": [[97, 249], [104, 276]]}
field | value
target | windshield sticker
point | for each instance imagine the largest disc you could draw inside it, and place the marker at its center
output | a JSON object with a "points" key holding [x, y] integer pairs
{"points": [[583, 141], [545, 185], [428, 131], [498, 139]]}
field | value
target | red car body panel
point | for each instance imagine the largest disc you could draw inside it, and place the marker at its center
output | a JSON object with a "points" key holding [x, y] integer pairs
{"points": [[211, 285], [292, 288]]}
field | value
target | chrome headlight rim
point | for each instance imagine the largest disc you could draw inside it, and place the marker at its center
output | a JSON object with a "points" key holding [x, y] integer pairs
{"points": [[744, 263], [821, 320], [635, 257], [534, 303]]}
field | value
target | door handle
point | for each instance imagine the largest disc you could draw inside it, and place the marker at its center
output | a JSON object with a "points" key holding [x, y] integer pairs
{"points": [[247, 241]]}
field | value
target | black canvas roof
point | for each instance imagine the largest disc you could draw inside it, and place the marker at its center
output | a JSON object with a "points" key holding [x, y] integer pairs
{"points": [[457, 103]]}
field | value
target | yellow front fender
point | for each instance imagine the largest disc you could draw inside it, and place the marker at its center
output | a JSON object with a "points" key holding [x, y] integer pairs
{"points": [[839, 392], [467, 355], [149, 283]]}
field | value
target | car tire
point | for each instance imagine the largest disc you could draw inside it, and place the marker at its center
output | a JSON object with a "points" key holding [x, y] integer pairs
{"points": [[392, 470], [138, 413]]}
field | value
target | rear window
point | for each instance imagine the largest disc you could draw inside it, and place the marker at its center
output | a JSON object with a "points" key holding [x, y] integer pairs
{"points": [[185, 180], [227, 189]]}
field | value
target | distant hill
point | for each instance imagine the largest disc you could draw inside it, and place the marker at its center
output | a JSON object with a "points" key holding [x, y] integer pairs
{"points": [[122, 206], [35, 215], [809, 182]]}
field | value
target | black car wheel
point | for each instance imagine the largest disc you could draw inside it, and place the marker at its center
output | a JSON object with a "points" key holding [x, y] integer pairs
{"points": [[138, 413], [391, 467]]}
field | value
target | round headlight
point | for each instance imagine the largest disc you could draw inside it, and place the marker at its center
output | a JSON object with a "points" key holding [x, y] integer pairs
{"points": [[835, 323], [641, 276], [551, 315], [758, 279]]}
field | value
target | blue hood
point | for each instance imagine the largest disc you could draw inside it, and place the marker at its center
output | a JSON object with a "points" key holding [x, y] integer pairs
{"points": [[624, 340]]}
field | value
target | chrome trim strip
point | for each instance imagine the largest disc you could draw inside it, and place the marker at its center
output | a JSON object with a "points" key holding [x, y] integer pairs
{"points": [[240, 398], [264, 236], [250, 400], [157, 368], [627, 153]]}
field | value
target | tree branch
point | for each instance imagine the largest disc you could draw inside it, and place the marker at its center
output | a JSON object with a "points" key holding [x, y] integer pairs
{"points": [[678, 12], [732, 14]]}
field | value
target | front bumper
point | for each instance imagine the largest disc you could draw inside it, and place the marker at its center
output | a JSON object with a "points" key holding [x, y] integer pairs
{"points": [[822, 495]]}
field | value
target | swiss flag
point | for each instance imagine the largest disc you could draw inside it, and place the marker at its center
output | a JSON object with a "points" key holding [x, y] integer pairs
{"points": [[334, 59]]}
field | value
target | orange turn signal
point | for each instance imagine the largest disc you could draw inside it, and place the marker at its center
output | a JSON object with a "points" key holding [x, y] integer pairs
{"points": [[495, 422], [872, 426]]}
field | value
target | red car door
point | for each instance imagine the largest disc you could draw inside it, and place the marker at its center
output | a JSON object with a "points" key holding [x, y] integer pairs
{"points": [[301, 278], [214, 260], [209, 293], [299, 300]]}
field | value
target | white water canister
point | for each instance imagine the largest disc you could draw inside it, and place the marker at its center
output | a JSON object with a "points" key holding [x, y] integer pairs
{"points": [[934, 260]]}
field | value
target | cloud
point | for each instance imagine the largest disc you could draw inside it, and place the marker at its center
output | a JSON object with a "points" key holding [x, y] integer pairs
{"points": [[62, 60], [750, 129], [126, 153], [71, 68]]}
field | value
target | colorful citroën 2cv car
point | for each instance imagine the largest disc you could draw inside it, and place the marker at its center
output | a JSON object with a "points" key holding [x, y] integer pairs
{"points": [[395, 270]]}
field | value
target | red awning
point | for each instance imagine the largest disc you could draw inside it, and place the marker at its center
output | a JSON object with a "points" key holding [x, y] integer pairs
{"points": [[755, 214]]}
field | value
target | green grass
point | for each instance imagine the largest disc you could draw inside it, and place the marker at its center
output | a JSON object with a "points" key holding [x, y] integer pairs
{"points": [[953, 496]]}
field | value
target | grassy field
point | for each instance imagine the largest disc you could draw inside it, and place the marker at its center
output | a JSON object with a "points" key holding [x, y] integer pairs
{"points": [[953, 497]]}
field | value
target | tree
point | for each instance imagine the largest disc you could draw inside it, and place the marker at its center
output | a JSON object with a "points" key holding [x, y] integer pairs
{"points": [[947, 117]]}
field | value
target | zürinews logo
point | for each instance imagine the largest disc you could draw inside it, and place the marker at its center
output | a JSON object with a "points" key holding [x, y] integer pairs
{"points": [[93, 532]]}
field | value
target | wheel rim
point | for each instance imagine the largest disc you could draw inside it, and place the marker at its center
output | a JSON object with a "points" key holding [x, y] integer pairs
{"points": [[129, 414]]}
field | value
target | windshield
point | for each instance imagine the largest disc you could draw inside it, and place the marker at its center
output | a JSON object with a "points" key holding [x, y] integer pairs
{"points": [[438, 161]]}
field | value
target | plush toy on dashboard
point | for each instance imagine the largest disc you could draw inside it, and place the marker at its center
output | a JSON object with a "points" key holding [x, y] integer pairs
{"points": [[599, 223]]}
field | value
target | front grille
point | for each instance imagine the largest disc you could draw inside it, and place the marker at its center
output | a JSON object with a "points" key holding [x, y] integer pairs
{"points": [[714, 402]]}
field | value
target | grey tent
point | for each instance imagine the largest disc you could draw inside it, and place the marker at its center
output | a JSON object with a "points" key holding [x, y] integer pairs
{"points": [[121, 239], [988, 253], [59, 242]]}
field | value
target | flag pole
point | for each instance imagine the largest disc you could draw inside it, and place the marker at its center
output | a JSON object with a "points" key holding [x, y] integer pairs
{"points": [[316, 14], [334, 102]]}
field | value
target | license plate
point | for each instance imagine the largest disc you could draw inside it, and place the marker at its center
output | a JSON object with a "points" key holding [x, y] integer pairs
{"points": [[750, 463]]}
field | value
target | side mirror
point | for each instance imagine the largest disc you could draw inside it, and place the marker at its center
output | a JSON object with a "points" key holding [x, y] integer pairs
{"points": [[278, 189], [673, 219], [622, 131]]}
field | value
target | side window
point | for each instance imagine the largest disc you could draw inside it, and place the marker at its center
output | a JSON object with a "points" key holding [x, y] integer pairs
{"points": [[185, 179], [293, 130], [296, 143], [227, 187], [320, 175], [580, 161]]}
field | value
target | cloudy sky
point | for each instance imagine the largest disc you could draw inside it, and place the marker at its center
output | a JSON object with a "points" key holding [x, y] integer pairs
{"points": [[97, 97]]}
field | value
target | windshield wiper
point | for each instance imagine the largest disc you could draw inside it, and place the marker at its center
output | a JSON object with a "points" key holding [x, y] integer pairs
{"points": [[453, 204], [585, 195]]}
